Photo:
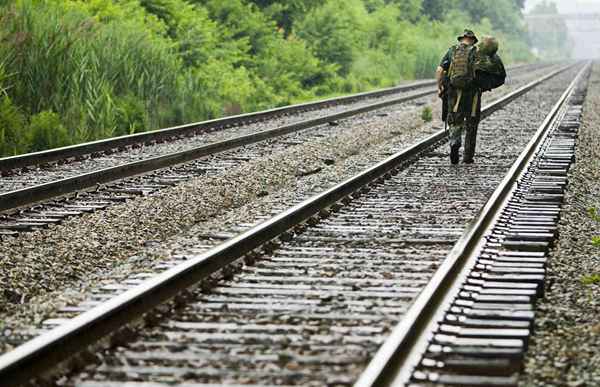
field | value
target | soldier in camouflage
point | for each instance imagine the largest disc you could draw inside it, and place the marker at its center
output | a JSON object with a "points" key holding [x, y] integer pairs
{"points": [[463, 103]]}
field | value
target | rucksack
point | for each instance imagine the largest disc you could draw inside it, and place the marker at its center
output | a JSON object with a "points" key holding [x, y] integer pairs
{"points": [[489, 73], [461, 73], [489, 69]]}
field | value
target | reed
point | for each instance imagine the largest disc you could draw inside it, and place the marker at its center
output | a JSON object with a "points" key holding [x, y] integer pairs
{"points": [[67, 62], [80, 70]]}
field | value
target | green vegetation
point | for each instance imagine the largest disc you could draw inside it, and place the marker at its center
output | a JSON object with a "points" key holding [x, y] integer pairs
{"points": [[79, 70], [596, 241], [594, 214], [426, 114], [592, 279]]}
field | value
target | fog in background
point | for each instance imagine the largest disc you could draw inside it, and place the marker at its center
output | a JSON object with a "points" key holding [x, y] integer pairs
{"points": [[584, 31]]}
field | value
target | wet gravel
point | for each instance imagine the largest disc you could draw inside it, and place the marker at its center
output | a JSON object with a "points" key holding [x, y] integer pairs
{"points": [[56, 172], [44, 270], [299, 327], [565, 350], [42, 261]]}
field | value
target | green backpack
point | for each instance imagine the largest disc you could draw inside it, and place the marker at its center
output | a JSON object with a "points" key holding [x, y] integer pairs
{"points": [[462, 68], [489, 69]]}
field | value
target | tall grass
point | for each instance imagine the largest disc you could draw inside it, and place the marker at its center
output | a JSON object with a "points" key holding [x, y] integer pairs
{"points": [[80, 70], [67, 62]]}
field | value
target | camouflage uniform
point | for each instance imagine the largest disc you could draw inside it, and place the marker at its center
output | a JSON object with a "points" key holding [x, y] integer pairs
{"points": [[464, 112]]}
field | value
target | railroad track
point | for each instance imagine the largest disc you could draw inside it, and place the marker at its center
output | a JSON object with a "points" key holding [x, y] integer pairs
{"points": [[76, 193], [14, 164], [325, 282], [470, 326]]}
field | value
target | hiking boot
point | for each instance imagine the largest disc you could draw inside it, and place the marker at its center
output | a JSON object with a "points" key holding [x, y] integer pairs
{"points": [[454, 156], [468, 160]]}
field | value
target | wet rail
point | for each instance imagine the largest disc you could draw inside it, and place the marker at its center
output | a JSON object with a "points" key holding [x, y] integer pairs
{"points": [[99, 189], [11, 165], [84, 170], [322, 286], [471, 324]]}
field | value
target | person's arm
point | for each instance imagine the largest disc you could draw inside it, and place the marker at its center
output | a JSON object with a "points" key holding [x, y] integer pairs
{"points": [[439, 76], [440, 72]]}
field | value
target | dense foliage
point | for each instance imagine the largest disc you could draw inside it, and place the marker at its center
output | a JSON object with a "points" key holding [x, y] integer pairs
{"points": [[78, 70]]}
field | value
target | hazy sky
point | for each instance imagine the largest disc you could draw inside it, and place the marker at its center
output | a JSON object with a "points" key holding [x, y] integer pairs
{"points": [[585, 34], [570, 5]]}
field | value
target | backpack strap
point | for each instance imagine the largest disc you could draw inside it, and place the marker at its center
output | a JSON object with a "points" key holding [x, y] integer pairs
{"points": [[472, 59], [452, 53]]}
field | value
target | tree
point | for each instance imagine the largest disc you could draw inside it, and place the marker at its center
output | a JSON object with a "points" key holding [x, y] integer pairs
{"points": [[333, 31], [88, 69], [286, 12], [504, 15], [409, 9], [164, 10], [437, 9]]}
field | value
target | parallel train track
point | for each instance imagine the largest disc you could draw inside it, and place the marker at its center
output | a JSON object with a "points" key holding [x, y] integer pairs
{"points": [[13, 164], [28, 208], [326, 281]]}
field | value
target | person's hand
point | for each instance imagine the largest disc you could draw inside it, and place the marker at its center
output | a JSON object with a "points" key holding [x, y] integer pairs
{"points": [[440, 90]]}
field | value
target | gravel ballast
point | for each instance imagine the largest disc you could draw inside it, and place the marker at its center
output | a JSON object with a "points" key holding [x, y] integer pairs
{"points": [[565, 350], [34, 176], [44, 269]]}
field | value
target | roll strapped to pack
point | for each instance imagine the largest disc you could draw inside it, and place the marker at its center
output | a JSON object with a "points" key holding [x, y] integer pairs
{"points": [[489, 69]]}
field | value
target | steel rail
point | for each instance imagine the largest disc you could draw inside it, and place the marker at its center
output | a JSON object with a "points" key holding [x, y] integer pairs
{"points": [[394, 362], [29, 195], [52, 155], [43, 353], [26, 196]]}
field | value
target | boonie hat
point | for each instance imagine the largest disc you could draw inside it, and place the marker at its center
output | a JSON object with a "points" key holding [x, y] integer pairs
{"points": [[468, 34]]}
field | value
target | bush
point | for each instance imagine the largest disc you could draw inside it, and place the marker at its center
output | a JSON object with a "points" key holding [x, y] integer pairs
{"points": [[594, 214], [333, 32], [592, 279], [426, 114], [12, 122], [45, 132], [63, 57], [132, 116], [101, 68]]}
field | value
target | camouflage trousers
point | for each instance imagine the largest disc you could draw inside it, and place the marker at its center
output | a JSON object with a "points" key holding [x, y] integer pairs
{"points": [[463, 117]]}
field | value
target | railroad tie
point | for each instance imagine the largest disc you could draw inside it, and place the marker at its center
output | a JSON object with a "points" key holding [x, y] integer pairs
{"points": [[484, 336]]}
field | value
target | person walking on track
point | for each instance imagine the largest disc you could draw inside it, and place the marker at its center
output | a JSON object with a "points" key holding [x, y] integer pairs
{"points": [[457, 86]]}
